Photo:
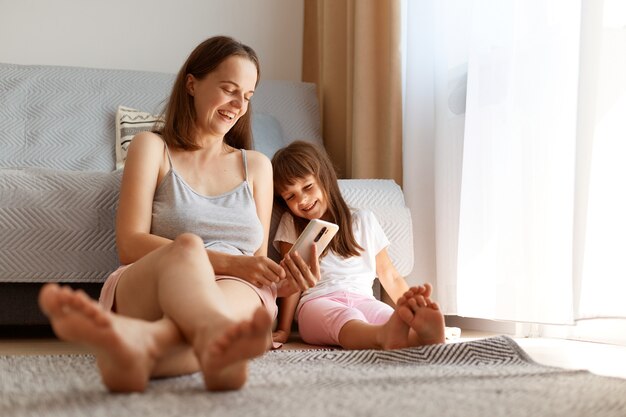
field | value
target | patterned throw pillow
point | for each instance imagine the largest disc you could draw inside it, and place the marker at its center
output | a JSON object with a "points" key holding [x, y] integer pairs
{"points": [[129, 122], [266, 130]]}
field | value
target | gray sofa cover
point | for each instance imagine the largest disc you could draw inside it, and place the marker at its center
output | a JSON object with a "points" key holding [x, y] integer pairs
{"points": [[59, 187]]}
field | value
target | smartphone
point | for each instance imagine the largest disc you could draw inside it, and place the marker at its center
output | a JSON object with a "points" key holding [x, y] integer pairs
{"points": [[318, 233]]}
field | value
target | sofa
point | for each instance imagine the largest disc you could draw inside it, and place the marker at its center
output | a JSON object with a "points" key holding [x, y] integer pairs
{"points": [[62, 137]]}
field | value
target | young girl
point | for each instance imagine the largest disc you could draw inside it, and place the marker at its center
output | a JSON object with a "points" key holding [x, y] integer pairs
{"points": [[340, 308]]}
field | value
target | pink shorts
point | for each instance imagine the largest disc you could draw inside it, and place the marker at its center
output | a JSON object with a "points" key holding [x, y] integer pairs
{"points": [[320, 320], [266, 294]]}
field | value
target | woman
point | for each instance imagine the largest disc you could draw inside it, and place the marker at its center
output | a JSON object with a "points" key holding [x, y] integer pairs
{"points": [[185, 302]]}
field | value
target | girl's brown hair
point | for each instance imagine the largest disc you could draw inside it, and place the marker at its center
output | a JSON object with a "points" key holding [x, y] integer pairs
{"points": [[180, 114], [301, 159]]}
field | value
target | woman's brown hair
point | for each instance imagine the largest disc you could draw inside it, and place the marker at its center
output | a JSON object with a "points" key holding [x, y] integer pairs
{"points": [[179, 115], [301, 159]]}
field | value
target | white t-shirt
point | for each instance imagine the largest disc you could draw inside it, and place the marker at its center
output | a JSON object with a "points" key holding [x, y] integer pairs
{"points": [[355, 274]]}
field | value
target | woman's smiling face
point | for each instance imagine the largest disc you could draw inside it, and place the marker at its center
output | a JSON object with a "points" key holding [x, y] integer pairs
{"points": [[222, 97]]}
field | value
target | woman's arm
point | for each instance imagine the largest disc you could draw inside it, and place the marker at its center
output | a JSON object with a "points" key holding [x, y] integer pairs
{"points": [[145, 164], [260, 177], [394, 284]]}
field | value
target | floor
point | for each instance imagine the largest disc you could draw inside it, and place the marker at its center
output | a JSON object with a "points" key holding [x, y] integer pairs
{"points": [[601, 359]]}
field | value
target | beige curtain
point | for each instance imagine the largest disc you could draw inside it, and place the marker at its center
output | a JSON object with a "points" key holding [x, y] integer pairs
{"points": [[352, 52]]}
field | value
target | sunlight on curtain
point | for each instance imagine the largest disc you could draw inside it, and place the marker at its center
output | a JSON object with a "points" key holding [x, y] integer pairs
{"points": [[515, 234], [528, 170], [436, 76], [603, 268]]}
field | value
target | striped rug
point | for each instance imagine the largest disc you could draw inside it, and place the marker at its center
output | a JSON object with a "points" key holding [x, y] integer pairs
{"points": [[488, 377]]}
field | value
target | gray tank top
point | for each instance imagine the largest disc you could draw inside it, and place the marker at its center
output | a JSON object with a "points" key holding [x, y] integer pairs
{"points": [[226, 223]]}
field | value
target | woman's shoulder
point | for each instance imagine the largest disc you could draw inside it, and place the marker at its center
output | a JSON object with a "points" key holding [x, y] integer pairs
{"points": [[147, 140], [257, 157], [146, 150], [258, 162]]}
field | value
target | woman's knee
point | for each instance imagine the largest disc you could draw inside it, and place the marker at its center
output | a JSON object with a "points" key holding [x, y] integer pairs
{"points": [[188, 247]]}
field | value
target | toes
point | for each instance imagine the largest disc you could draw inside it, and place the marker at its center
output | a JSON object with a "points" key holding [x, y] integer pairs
{"points": [[420, 301], [48, 299], [405, 314], [428, 290]]}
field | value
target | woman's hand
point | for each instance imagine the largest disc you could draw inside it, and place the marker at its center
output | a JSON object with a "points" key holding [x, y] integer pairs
{"points": [[257, 270], [298, 274]]}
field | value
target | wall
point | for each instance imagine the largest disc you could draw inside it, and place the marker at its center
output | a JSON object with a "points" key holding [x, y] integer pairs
{"points": [[153, 35]]}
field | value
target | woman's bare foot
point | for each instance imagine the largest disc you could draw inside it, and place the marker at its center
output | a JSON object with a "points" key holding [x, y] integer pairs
{"points": [[422, 316], [125, 348], [224, 359]]}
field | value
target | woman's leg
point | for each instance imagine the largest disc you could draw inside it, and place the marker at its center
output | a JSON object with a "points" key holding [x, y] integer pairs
{"points": [[177, 282], [224, 361], [126, 349], [170, 299]]}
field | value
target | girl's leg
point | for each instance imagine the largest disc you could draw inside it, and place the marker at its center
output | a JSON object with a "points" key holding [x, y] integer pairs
{"points": [[416, 321], [381, 327], [320, 319], [333, 320]]}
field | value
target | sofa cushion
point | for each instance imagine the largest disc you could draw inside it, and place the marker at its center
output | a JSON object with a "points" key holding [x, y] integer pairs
{"points": [[266, 130], [129, 122], [57, 225], [268, 135]]}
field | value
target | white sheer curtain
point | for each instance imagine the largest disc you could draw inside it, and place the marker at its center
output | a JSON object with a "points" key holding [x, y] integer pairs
{"points": [[529, 171]]}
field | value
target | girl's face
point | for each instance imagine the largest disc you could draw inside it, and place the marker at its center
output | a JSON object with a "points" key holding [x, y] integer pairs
{"points": [[305, 198], [222, 96]]}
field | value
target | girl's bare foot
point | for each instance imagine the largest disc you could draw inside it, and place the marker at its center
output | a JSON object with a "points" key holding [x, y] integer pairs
{"points": [[424, 290], [125, 348], [423, 317], [396, 333], [224, 359]]}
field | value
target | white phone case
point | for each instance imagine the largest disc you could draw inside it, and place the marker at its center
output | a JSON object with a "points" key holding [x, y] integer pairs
{"points": [[318, 232]]}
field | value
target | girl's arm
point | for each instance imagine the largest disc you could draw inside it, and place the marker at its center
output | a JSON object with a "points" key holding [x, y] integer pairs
{"points": [[394, 284], [286, 313], [287, 307], [259, 269]]}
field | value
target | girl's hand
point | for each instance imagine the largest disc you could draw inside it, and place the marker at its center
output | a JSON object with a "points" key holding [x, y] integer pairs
{"points": [[286, 287], [280, 336], [257, 270], [299, 273]]}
